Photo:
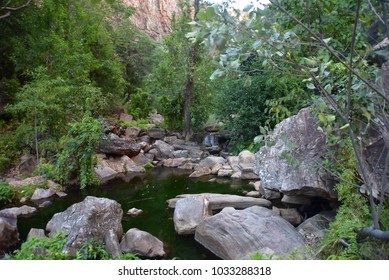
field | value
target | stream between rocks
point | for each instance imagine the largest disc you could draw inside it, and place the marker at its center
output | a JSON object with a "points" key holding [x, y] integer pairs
{"points": [[148, 192]]}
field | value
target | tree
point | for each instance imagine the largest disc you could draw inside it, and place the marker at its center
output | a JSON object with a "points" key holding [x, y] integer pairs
{"points": [[174, 76], [7, 8], [331, 58], [189, 83]]}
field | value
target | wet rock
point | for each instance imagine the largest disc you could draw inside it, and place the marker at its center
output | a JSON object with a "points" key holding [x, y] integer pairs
{"points": [[90, 219], [142, 243], [234, 235]]}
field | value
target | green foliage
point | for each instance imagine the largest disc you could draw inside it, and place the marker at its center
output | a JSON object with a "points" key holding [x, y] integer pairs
{"points": [[251, 101], [129, 256], [141, 123], [168, 78], [42, 248], [77, 159], [140, 104], [6, 192], [92, 250], [259, 256]]}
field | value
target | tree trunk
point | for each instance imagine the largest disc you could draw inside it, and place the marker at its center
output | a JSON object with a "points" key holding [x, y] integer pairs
{"points": [[189, 86]]}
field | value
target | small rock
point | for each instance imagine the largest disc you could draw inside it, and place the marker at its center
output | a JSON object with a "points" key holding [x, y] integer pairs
{"points": [[134, 212], [126, 117], [53, 185], [201, 172], [61, 194], [224, 173], [132, 132], [44, 204], [216, 168], [236, 175], [253, 194], [42, 194], [36, 232]]}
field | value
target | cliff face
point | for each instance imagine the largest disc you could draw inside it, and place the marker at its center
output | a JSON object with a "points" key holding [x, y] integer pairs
{"points": [[154, 16]]}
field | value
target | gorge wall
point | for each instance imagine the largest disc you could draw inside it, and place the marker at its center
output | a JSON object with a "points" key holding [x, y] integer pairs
{"points": [[154, 16]]}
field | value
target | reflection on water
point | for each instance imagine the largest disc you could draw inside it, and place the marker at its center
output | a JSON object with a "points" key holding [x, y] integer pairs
{"points": [[148, 192]]}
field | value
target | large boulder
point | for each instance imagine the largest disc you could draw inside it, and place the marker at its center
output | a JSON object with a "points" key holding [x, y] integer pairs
{"points": [[290, 166], [189, 213], [118, 146], [92, 218], [219, 201], [9, 234], [142, 243], [233, 235]]}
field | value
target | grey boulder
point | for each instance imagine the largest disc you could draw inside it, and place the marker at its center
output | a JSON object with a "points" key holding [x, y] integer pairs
{"points": [[233, 235]]}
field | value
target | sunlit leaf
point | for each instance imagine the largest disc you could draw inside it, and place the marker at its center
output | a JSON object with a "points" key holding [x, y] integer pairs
{"points": [[311, 86]]}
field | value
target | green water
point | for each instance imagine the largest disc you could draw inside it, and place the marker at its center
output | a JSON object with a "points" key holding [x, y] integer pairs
{"points": [[148, 192]]}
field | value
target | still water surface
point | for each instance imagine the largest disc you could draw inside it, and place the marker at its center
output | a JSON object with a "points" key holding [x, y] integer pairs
{"points": [[148, 192]]}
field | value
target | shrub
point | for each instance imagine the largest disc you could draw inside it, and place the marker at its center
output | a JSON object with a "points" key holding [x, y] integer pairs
{"points": [[77, 160], [42, 248], [6, 192]]}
